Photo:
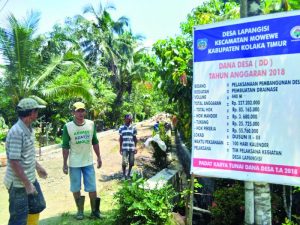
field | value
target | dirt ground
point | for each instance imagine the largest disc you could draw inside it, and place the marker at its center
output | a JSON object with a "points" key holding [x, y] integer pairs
{"points": [[56, 187]]}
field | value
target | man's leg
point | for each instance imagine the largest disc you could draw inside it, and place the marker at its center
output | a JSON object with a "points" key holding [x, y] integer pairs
{"points": [[131, 162], [124, 170], [79, 200], [75, 186], [18, 206], [95, 205], [89, 180], [124, 162], [36, 204]]}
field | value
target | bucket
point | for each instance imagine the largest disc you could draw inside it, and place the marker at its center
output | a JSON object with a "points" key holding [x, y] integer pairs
{"points": [[33, 219]]}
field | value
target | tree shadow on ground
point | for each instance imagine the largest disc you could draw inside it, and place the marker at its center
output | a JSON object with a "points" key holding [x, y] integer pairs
{"points": [[112, 176]]}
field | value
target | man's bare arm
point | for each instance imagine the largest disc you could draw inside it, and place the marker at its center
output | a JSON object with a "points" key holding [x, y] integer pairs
{"points": [[65, 153], [19, 171]]}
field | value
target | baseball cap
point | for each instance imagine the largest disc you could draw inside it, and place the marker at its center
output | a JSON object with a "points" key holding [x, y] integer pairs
{"points": [[78, 105], [29, 103]]}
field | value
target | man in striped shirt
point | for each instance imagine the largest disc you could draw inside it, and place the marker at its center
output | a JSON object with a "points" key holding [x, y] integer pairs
{"points": [[128, 143], [20, 179]]}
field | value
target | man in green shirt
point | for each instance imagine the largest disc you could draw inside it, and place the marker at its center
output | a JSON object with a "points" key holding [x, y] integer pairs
{"points": [[79, 141]]}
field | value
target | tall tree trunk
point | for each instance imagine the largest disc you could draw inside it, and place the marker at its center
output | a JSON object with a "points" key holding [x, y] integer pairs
{"points": [[262, 202], [243, 8]]}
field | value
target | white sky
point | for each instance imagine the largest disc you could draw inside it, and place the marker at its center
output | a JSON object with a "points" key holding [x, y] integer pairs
{"points": [[154, 19]]}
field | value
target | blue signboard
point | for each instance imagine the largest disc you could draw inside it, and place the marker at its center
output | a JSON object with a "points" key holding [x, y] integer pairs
{"points": [[246, 83], [274, 36]]}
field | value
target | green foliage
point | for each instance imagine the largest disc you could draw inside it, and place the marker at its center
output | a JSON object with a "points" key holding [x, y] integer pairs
{"points": [[30, 68], [274, 6], [296, 189], [2, 147], [143, 102], [294, 4], [57, 140], [228, 205], [187, 192], [140, 206], [175, 78], [210, 12], [174, 65], [289, 222]]}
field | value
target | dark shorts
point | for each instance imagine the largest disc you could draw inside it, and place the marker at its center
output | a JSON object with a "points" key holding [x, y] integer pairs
{"points": [[21, 204], [127, 157]]}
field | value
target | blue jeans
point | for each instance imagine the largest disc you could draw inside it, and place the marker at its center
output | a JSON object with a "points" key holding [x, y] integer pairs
{"points": [[89, 180], [21, 204]]}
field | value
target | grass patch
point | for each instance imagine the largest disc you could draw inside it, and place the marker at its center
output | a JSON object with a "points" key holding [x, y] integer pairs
{"points": [[68, 218], [2, 147]]}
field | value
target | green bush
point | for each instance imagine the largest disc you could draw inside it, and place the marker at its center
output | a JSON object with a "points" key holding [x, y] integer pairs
{"points": [[289, 222], [139, 206], [228, 205]]}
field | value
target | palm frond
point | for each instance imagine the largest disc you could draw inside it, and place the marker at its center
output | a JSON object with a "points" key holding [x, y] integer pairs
{"points": [[75, 58], [73, 90], [49, 69], [32, 20]]}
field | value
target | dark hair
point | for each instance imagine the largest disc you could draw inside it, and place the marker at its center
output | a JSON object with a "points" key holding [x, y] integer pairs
{"points": [[128, 116], [25, 113]]}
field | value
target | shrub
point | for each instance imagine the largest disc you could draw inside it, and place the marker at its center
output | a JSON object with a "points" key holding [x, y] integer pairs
{"points": [[289, 222], [228, 205], [137, 205]]}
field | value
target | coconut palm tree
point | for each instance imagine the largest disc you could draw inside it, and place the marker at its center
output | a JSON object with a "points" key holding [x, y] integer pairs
{"points": [[109, 43], [25, 71]]}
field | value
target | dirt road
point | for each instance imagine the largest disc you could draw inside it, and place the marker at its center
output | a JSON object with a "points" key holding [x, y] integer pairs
{"points": [[56, 187]]}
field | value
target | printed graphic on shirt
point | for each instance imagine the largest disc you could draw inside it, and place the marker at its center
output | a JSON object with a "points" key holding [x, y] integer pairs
{"points": [[82, 137]]}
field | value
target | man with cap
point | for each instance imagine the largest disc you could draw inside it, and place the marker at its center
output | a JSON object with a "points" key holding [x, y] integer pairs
{"points": [[79, 141], [128, 143], [26, 199]]}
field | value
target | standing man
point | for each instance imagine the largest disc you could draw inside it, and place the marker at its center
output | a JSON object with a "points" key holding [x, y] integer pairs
{"points": [[128, 143], [79, 139], [26, 199]]}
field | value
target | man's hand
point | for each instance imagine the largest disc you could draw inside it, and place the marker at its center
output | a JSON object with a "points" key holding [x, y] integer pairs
{"points": [[121, 152], [99, 162], [135, 151], [41, 172], [30, 189], [65, 169]]}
